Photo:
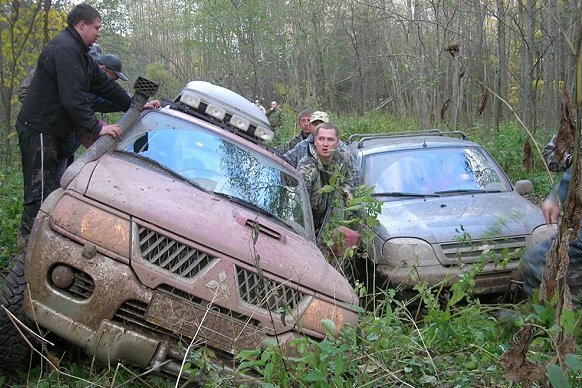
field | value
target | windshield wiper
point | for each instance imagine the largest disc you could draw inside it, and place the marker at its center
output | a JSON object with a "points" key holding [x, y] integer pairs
{"points": [[467, 191], [252, 206], [166, 169], [403, 194]]}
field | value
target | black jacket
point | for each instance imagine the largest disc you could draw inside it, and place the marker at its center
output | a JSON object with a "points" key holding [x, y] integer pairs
{"points": [[57, 101]]}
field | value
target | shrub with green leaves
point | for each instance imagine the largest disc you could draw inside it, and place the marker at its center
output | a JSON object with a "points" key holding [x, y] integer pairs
{"points": [[10, 212]]}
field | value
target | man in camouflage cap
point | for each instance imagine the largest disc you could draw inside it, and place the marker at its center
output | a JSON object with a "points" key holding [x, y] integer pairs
{"points": [[323, 160], [300, 150]]}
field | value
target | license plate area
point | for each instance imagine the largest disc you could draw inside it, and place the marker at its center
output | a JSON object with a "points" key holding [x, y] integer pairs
{"points": [[212, 325]]}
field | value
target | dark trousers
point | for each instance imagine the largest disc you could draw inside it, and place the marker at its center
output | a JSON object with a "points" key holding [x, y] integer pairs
{"points": [[43, 166], [534, 265]]}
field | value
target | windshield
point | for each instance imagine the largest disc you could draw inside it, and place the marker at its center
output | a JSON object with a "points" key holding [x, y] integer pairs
{"points": [[431, 171], [219, 165]]}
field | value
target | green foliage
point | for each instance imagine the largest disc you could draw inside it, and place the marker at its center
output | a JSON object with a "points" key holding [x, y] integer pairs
{"points": [[420, 342], [10, 212], [443, 349], [506, 146], [169, 87], [373, 122]]}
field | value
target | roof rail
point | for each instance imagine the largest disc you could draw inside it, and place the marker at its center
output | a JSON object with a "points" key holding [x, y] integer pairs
{"points": [[363, 137]]}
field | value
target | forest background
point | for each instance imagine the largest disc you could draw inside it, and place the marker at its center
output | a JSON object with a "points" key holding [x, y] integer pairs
{"points": [[456, 64], [494, 69]]}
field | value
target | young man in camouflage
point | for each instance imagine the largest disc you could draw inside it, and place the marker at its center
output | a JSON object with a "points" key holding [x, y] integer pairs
{"points": [[305, 126], [300, 150], [323, 160]]}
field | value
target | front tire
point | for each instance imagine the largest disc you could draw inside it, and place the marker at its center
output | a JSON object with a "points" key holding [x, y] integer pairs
{"points": [[15, 352]]}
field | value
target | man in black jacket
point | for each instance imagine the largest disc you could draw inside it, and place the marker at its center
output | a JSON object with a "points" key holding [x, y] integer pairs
{"points": [[56, 108]]}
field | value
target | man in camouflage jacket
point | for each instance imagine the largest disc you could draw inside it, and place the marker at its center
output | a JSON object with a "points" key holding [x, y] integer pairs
{"points": [[275, 116], [303, 120], [324, 159]]}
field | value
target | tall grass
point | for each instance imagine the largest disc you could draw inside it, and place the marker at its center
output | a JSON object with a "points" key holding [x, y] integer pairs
{"points": [[396, 343], [10, 212]]}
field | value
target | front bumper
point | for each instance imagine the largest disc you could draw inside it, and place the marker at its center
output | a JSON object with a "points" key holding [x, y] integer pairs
{"points": [[491, 280], [109, 313]]}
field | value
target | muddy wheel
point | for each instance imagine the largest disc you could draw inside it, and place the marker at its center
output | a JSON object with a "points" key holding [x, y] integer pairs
{"points": [[15, 353]]}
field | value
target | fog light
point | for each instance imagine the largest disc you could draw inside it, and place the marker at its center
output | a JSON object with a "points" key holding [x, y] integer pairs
{"points": [[62, 276]]}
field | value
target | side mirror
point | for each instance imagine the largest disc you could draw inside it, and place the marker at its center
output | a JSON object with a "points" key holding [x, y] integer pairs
{"points": [[523, 187]]}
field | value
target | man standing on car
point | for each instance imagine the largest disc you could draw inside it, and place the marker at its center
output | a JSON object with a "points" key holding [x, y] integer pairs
{"points": [[304, 125], [56, 108], [325, 159]]}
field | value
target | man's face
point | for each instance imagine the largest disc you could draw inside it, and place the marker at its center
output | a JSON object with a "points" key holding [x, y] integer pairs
{"points": [[89, 32], [314, 125], [110, 73], [304, 124], [273, 105], [326, 143]]}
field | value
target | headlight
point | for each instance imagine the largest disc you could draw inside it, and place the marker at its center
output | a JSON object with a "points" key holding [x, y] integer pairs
{"points": [[408, 251], [319, 310], [264, 133], [216, 111], [190, 99], [541, 234], [239, 122], [102, 228]]}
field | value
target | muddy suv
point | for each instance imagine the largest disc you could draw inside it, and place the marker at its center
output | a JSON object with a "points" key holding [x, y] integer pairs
{"points": [[187, 229], [448, 209]]}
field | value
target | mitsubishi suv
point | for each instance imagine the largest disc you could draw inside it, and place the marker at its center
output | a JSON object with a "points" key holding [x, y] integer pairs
{"points": [[186, 230]]}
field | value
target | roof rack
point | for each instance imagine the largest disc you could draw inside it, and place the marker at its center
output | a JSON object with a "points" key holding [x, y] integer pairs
{"points": [[363, 137]]}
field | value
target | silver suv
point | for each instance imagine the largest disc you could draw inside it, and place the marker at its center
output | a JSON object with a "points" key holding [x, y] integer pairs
{"points": [[447, 207]]}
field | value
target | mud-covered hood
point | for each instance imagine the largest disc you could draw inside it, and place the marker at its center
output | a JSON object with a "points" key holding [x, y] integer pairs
{"points": [[444, 219], [211, 221]]}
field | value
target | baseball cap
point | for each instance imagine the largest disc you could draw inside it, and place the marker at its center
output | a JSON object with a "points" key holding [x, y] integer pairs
{"points": [[113, 63], [95, 51], [319, 116]]}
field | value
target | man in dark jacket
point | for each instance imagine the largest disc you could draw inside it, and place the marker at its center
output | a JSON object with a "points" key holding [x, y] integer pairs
{"points": [[56, 108], [305, 125]]}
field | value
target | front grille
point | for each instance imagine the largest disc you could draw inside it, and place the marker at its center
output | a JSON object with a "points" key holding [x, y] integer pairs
{"points": [[187, 297], [132, 313], [171, 255], [83, 285], [265, 293], [471, 251]]}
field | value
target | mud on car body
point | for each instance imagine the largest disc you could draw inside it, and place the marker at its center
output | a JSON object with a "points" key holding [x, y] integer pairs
{"points": [[185, 228], [447, 209]]}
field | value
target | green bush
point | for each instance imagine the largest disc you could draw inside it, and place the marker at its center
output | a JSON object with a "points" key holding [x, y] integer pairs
{"points": [[10, 212]]}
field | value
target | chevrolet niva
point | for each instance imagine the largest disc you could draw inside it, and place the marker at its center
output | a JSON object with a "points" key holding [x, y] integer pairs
{"points": [[187, 229], [447, 208]]}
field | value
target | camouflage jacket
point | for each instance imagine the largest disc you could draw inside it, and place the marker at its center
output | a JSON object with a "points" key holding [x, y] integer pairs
{"points": [[292, 143], [552, 160], [275, 118], [316, 175], [302, 149]]}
